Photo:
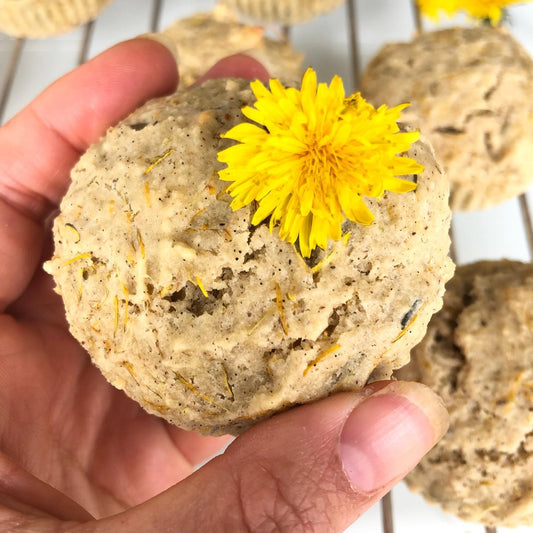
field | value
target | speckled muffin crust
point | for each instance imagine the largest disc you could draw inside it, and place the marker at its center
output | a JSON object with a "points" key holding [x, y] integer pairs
{"points": [[45, 18], [213, 323], [281, 11], [478, 355], [472, 89], [206, 38]]}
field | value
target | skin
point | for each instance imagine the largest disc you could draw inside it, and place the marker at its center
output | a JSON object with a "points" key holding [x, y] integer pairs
{"points": [[78, 455]]}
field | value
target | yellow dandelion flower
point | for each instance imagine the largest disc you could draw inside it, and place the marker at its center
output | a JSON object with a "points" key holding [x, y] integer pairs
{"points": [[480, 9], [312, 156]]}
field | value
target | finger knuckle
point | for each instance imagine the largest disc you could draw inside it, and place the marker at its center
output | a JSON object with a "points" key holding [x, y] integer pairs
{"points": [[269, 502]]}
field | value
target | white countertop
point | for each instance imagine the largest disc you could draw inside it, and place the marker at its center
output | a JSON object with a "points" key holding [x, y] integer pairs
{"points": [[26, 67]]}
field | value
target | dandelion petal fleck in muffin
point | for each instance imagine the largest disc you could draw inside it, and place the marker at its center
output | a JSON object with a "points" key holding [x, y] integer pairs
{"points": [[478, 355], [232, 250], [472, 91]]}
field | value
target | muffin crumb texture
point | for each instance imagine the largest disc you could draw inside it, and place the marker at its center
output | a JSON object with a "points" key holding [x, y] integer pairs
{"points": [[213, 323], [478, 355]]}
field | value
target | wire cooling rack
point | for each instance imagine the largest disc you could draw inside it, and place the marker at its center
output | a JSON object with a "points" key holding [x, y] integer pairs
{"points": [[340, 42]]}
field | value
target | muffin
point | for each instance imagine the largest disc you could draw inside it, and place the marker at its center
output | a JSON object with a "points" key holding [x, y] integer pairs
{"points": [[208, 318], [472, 89], [281, 11], [478, 355], [46, 18], [206, 38]]}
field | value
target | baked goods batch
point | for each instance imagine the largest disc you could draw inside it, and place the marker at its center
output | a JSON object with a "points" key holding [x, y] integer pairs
{"points": [[219, 270]]}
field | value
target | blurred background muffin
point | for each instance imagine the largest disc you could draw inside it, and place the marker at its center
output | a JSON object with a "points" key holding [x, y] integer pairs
{"points": [[46, 18], [478, 356], [205, 38], [472, 90], [281, 11]]}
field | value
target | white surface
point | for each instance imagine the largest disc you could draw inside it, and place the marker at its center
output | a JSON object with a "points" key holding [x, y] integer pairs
{"points": [[490, 234]]}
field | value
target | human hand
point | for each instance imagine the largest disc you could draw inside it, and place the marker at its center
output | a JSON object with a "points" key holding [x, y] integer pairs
{"points": [[76, 454]]}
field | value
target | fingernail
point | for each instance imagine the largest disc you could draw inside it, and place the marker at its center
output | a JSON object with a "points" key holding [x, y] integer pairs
{"points": [[163, 39], [386, 435]]}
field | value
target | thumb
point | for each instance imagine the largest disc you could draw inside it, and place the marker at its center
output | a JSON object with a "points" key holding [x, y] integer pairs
{"points": [[316, 467]]}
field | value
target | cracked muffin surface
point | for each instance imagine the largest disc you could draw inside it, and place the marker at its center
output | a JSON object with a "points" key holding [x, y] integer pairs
{"points": [[478, 356], [472, 91], [213, 323]]}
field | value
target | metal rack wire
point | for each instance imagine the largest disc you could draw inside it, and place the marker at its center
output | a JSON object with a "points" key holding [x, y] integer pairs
{"points": [[17, 47]]}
